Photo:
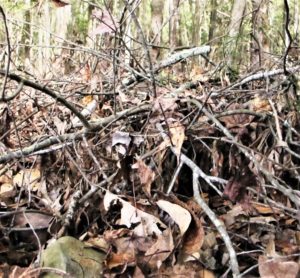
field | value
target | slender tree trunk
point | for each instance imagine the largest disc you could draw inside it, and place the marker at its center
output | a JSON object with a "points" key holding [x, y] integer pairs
{"points": [[174, 23], [24, 52], [212, 19], [259, 43], [157, 7], [196, 23], [237, 15]]}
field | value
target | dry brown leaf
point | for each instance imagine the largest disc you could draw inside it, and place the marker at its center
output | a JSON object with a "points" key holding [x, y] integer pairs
{"points": [[7, 190], [146, 175], [177, 137], [148, 235], [260, 104], [124, 252], [277, 268], [206, 274], [265, 209], [86, 100], [6, 178], [28, 178], [160, 250], [118, 259], [59, 3], [194, 239], [230, 217]]}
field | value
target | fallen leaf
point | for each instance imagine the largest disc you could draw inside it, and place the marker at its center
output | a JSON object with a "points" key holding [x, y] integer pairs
{"points": [[180, 215], [28, 178], [177, 137], [160, 250], [120, 137], [146, 175], [59, 3], [7, 190], [273, 268], [147, 225], [265, 209], [193, 240]]}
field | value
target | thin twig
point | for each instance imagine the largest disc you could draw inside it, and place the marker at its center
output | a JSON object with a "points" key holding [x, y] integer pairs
{"points": [[218, 224], [146, 49]]}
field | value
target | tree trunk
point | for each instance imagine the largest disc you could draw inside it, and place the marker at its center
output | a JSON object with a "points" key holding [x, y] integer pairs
{"points": [[237, 15], [259, 42], [157, 7], [174, 23]]}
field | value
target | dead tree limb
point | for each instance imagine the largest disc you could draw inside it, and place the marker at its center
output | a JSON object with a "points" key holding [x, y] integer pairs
{"points": [[48, 92], [96, 125]]}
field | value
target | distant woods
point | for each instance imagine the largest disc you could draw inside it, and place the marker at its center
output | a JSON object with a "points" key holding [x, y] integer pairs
{"points": [[244, 35]]}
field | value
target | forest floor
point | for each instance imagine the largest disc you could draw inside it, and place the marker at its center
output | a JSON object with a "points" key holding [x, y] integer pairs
{"points": [[195, 176]]}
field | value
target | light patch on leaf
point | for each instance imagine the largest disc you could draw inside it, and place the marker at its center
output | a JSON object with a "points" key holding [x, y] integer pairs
{"points": [[120, 137], [177, 136], [148, 224], [161, 249], [29, 178], [180, 215]]}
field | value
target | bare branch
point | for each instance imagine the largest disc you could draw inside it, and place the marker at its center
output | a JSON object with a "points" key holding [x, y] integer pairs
{"points": [[50, 93]]}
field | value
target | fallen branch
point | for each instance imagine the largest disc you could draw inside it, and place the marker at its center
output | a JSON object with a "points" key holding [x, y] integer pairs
{"points": [[262, 75], [182, 55], [96, 125], [173, 59], [48, 92]]}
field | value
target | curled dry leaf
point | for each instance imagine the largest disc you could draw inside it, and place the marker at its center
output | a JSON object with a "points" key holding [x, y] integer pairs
{"points": [[120, 137], [180, 215], [145, 233], [193, 240], [125, 248], [163, 108]]}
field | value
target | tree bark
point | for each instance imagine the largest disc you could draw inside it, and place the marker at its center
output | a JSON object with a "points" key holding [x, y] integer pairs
{"points": [[259, 42], [157, 7], [237, 15]]}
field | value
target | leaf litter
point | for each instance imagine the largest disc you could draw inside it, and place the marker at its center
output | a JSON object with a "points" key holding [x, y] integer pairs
{"points": [[108, 186]]}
